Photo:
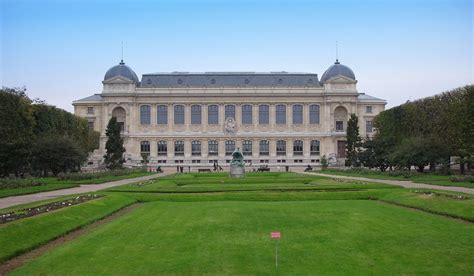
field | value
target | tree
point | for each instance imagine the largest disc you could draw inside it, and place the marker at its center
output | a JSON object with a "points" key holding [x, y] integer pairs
{"points": [[373, 154], [114, 146], [57, 154], [16, 135], [353, 141]]}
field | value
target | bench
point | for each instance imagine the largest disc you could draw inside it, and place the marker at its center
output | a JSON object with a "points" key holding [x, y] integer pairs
{"points": [[263, 169], [204, 170]]}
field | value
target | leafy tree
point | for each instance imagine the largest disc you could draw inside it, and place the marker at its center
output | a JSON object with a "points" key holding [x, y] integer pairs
{"points": [[16, 135], [324, 162], [57, 154], [353, 141], [373, 154], [114, 146]]}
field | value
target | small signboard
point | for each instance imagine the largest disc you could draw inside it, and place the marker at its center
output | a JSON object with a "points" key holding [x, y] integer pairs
{"points": [[276, 235]]}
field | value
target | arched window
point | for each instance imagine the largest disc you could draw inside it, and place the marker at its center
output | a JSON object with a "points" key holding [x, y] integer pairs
{"points": [[145, 147], [213, 147], [229, 147], [314, 114], [281, 147], [229, 111], [247, 147], [196, 147], [264, 147], [297, 114], [280, 116], [340, 118], [298, 147], [196, 114], [178, 148], [145, 114], [315, 147], [162, 114], [162, 148], [263, 114], [246, 114], [213, 115], [179, 114], [120, 114]]}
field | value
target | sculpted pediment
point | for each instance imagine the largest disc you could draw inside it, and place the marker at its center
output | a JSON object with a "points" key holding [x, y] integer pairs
{"points": [[341, 79], [118, 80]]}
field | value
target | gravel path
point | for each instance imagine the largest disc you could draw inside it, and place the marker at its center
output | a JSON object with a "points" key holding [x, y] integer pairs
{"points": [[21, 199], [405, 184]]}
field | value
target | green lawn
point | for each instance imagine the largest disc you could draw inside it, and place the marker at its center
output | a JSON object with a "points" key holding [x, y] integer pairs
{"points": [[208, 223], [52, 183], [427, 178], [319, 237]]}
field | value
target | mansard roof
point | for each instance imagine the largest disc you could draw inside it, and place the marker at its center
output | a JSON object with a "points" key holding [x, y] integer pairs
{"points": [[229, 79], [92, 98]]}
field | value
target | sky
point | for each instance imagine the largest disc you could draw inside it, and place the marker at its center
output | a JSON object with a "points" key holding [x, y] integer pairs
{"points": [[398, 50]]}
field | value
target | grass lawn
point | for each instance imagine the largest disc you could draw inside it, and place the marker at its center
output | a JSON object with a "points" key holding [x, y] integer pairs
{"points": [[52, 183], [318, 237], [442, 180], [209, 224]]}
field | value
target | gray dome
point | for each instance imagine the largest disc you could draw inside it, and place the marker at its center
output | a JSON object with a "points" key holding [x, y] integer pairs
{"points": [[337, 69], [121, 70]]}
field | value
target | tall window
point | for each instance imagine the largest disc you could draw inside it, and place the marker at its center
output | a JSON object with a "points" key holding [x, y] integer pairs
{"points": [[229, 111], [162, 148], [162, 115], [90, 125], [90, 110], [298, 147], [196, 114], [280, 118], [229, 147], [368, 126], [263, 114], [297, 114], [145, 147], [145, 114], [281, 147], [246, 114], [179, 114], [213, 147], [178, 148], [368, 109], [213, 115], [314, 114], [339, 126], [314, 147], [196, 147], [247, 147], [264, 147]]}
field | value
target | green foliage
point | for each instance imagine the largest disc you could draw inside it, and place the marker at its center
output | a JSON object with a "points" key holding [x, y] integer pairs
{"points": [[95, 175], [324, 162], [16, 135], [6, 183], [57, 154], [353, 141], [464, 178], [113, 157], [436, 128]]}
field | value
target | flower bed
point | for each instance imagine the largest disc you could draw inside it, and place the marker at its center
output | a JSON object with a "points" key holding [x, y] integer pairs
{"points": [[29, 212]]}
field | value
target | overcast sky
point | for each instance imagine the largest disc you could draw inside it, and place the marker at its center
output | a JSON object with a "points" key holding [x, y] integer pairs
{"points": [[398, 50]]}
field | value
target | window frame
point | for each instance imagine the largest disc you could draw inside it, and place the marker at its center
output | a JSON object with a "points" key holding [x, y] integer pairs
{"points": [[196, 114], [178, 144], [212, 144], [300, 115], [280, 114], [196, 148], [162, 115], [160, 144], [262, 144], [145, 115], [298, 147], [314, 114], [214, 113], [247, 114]]}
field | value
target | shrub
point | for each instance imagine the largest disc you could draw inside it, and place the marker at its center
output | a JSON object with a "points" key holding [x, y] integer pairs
{"points": [[462, 178], [405, 174], [6, 183], [93, 175]]}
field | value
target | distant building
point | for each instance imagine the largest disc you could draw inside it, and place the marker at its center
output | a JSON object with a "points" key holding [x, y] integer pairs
{"points": [[196, 119]]}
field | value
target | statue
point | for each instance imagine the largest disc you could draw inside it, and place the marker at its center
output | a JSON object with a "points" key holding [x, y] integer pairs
{"points": [[237, 165]]}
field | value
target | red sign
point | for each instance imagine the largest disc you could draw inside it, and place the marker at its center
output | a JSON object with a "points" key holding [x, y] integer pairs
{"points": [[276, 235]]}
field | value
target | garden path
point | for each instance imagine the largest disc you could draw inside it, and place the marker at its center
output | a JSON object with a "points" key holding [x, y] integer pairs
{"points": [[22, 199], [403, 183]]}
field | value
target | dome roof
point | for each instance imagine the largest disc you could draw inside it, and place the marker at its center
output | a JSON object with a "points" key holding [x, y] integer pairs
{"points": [[121, 70], [337, 69]]}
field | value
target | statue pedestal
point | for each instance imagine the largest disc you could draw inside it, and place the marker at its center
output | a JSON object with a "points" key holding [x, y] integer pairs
{"points": [[236, 171]]}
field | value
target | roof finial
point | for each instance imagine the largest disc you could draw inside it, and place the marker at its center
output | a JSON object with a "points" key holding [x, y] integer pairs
{"points": [[337, 60], [121, 61]]}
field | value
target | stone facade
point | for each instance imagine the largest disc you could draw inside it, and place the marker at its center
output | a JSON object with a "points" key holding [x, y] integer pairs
{"points": [[279, 119]]}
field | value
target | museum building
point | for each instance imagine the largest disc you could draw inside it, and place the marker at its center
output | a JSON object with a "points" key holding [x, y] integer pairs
{"points": [[198, 119]]}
